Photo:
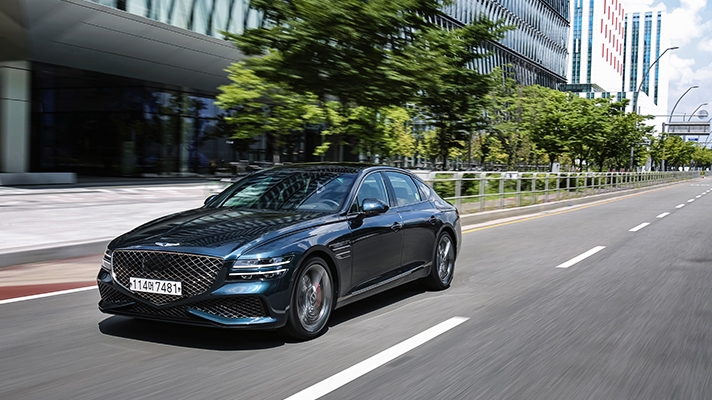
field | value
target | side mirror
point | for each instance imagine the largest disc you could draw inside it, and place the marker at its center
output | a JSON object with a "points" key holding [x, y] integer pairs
{"points": [[373, 207], [209, 199]]}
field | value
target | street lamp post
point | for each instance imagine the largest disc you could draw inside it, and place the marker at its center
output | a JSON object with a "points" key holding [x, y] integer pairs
{"points": [[678, 101], [635, 95], [693, 113], [670, 117]]}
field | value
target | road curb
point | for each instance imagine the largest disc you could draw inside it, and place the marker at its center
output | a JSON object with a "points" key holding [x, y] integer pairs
{"points": [[13, 257]]}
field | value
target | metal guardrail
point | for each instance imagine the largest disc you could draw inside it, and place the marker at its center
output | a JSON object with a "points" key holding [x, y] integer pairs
{"points": [[473, 192]]}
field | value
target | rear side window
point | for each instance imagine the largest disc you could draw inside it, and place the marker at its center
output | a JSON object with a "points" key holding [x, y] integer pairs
{"points": [[425, 190], [404, 187]]}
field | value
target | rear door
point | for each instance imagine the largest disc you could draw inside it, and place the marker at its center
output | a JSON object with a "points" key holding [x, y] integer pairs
{"points": [[419, 216]]}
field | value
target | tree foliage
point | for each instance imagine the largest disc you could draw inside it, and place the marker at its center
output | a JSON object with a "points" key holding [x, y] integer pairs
{"points": [[454, 97], [257, 107], [355, 51]]}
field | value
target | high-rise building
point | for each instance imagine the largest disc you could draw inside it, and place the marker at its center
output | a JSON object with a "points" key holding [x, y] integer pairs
{"points": [[536, 51], [612, 48], [596, 45], [644, 42]]}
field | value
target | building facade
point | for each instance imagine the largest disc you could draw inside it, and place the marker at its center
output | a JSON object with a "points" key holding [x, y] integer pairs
{"points": [[535, 53], [596, 44], [127, 87], [613, 53], [645, 41]]}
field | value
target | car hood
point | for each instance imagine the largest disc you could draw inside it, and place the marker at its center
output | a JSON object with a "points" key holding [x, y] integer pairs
{"points": [[216, 231]]}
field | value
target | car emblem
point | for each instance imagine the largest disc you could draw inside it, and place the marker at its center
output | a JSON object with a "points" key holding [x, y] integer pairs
{"points": [[166, 244]]}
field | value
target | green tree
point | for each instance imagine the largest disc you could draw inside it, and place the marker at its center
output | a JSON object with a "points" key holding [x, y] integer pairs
{"points": [[454, 99], [702, 157], [545, 120], [257, 107], [383, 131], [506, 120], [352, 50]]}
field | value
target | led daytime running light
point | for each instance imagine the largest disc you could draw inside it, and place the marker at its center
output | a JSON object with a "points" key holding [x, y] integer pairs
{"points": [[106, 260], [263, 263]]}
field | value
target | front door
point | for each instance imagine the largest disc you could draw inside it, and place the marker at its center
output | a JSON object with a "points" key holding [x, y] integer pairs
{"points": [[376, 241]]}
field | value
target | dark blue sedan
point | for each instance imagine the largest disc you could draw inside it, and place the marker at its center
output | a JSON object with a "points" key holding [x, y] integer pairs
{"points": [[282, 248]]}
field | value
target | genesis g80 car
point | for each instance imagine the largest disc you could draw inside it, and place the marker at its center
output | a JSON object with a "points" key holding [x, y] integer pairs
{"points": [[282, 248]]}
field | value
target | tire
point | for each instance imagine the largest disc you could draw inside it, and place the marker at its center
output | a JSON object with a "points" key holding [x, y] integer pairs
{"points": [[443, 268], [312, 301]]}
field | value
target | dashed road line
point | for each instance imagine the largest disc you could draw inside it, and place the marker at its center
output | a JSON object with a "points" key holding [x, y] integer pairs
{"points": [[680, 206], [581, 257], [639, 227], [691, 200], [663, 215]]}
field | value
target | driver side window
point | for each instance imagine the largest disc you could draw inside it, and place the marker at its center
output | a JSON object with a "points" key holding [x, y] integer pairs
{"points": [[372, 187]]}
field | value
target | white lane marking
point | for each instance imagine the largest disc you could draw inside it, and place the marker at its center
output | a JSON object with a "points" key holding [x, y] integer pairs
{"points": [[680, 206], [639, 227], [698, 196], [663, 215], [39, 296], [334, 382], [691, 200], [581, 257]]}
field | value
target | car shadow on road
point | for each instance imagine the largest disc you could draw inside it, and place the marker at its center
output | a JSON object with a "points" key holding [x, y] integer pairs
{"points": [[208, 338], [197, 337], [376, 302]]}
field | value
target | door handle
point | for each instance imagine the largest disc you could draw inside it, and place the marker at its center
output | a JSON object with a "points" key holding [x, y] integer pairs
{"points": [[396, 226]]}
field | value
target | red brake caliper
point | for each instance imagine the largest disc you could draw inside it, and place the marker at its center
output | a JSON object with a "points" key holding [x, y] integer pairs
{"points": [[318, 295]]}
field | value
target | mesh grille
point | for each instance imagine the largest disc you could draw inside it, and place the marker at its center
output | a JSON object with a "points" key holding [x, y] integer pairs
{"points": [[245, 307], [111, 295], [172, 312], [195, 272]]}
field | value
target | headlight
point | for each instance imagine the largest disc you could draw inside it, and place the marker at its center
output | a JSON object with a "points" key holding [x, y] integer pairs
{"points": [[106, 261], [255, 268]]}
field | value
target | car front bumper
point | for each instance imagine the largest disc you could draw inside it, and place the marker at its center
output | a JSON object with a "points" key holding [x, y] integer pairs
{"points": [[246, 305]]}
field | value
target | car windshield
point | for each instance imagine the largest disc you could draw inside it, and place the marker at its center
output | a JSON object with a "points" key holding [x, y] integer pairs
{"points": [[291, 190]]}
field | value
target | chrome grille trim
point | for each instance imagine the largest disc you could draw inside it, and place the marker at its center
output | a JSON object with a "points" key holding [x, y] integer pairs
{"points": [[196, 272]]}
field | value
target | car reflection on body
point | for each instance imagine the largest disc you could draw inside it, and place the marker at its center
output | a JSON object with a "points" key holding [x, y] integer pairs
{"points": [[282, 248]]}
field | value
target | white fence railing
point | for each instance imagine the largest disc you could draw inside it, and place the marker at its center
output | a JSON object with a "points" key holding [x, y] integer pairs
{"points": [[473, 192]]}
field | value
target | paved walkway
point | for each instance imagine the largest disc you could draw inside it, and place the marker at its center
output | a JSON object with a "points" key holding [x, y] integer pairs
{"points": [[45, 221], [52, 217]]}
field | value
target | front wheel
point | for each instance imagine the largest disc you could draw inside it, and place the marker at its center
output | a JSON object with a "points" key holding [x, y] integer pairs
{"points": [[312, 301], [443, 267]]}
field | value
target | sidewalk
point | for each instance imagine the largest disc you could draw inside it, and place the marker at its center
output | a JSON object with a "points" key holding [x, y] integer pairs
{"points": [[40, 224]]}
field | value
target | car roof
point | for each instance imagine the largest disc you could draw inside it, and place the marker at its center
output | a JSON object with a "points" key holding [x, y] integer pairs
{"points": [[346, 167]]}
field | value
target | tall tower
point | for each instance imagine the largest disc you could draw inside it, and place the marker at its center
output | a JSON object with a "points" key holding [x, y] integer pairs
{"points": [[596, 46], [644, 42]]}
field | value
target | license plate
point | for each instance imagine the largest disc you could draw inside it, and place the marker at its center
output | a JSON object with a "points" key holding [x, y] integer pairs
{"points": [[156, 286]]}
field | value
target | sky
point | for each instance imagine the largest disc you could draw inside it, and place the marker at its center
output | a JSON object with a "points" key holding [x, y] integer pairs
{"points": [[688, 26]]}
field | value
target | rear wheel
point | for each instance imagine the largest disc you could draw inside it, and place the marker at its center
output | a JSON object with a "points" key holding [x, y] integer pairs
{"points": [[312, 301], [443, 267]]}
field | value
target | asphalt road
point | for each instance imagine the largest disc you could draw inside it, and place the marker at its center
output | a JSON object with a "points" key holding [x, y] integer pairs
{"points": [[630, 321]]}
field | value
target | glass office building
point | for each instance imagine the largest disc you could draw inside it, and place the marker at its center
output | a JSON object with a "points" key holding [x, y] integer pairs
{"points": [[536, 52], [127, 87]]}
